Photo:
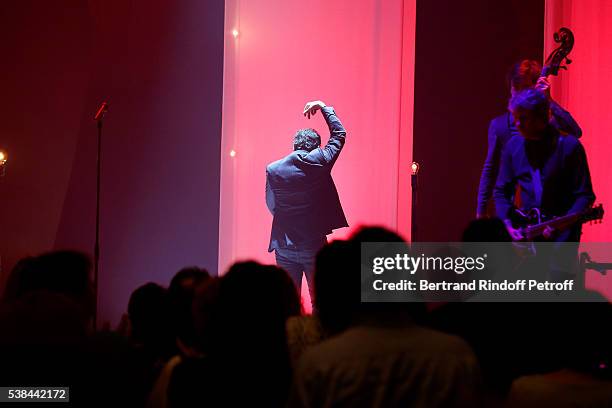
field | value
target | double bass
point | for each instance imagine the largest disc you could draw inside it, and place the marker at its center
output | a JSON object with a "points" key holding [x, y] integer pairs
{"points": [[565, 38]]}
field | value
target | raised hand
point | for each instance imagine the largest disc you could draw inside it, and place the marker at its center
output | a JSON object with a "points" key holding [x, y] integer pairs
{"points": [[543, 85], [312, 107]]}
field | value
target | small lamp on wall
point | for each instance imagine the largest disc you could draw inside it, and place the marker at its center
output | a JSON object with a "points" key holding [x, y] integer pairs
{"points": [[3, 160]]}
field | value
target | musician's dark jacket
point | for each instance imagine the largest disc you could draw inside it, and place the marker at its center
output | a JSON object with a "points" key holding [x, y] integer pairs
{"points": [[563, 170], [301, 194], [501, 129]]}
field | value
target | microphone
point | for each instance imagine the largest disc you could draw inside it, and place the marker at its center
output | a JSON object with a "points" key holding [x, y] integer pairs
{"points": [[101, 111]]}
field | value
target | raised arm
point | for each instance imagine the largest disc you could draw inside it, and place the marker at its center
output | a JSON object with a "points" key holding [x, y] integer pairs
{"points": [[561, 119], [564, 121], [337, 134]]}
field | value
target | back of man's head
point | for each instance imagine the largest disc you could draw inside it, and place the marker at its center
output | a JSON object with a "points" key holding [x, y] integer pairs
{"points": [[524, 74], [249, 286], [147, 310], [384, 312], [188, 278], [66, 272], [530, 100], [180, 299], [306, 139], [337, 285]]}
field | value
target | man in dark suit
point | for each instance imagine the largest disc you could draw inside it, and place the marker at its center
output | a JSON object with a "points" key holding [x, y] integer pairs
{"points": [[302, 196], [522, 75]]}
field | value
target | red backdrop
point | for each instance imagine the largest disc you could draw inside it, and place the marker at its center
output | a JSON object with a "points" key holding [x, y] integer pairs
{"points": [[585, 89], [356, 56]]}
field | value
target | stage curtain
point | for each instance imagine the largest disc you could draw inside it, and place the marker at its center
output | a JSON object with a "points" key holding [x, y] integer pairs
{"points": [[585, 89]]}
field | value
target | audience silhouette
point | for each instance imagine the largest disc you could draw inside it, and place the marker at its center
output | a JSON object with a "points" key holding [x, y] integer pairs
{"points": [[242, 339]]}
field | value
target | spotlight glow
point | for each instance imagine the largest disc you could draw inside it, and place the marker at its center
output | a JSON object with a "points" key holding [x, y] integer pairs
{"points": [[232, 153], [414, 168], [3, 157], [235, 33]]}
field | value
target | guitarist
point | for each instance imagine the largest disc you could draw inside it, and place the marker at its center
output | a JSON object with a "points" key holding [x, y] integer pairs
{"points": [[549, 167], [524, 74]]}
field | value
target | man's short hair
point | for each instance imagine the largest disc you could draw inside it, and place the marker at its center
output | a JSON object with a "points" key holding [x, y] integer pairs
{"points": [[531, 100], [306, 139], [524, 74]]}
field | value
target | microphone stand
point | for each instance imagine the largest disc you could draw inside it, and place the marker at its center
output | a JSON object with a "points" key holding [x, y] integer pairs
{"points": [[587, 263], [99, 117], [414, 183]]}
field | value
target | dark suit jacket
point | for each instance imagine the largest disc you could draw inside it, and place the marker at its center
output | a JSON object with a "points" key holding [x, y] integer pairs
{"points": [[301, 194], [552, 173], [501, 129]]}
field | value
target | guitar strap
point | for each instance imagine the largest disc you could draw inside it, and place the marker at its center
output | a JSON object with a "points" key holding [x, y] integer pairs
{"points": [[536, 179], [512, 131], [536, 174]]}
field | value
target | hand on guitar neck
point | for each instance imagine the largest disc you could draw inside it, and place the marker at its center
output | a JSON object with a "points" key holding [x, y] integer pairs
{"points": [[517, 233]]}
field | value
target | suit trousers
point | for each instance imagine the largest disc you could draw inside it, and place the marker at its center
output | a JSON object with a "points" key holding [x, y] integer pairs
{"points": [[298, 260]]}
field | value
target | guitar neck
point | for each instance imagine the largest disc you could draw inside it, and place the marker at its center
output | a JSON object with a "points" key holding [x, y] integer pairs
{"points": [[560, 223]]}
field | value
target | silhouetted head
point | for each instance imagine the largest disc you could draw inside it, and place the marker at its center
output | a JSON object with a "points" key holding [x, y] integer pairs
{"points": [[205, 313], [338, 282], [254, 303], [65, 272], [148, 313], [306, 139], [523, 75], [384, 312], [241, 319], [376, 234], [531, 111], [337, 285], [188, 278], [180, 298]]}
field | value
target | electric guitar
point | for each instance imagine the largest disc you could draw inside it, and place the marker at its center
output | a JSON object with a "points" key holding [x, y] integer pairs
{"points": [[533, 223]]}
